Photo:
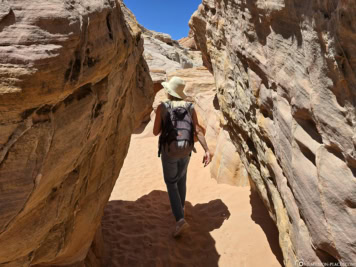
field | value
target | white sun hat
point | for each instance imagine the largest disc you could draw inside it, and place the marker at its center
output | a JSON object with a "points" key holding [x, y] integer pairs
{"points": [[175, 87]]}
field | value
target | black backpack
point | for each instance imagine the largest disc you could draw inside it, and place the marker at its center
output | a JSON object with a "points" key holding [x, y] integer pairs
{"points": [[177, 126]]}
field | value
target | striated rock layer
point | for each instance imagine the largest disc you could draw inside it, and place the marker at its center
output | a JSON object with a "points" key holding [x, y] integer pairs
{"points": [[285, 75], [73, 87]]}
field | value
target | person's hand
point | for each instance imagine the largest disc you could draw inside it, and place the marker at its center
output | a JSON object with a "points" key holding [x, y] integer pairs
{"points": [[207, 158]]}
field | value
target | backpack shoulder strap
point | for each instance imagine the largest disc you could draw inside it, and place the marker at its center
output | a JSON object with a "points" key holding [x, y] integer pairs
{"points": [[164, 115], [166, 103], [189, 106]]}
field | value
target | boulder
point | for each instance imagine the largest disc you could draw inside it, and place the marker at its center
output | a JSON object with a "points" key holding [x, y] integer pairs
{"points": [[164, 55], [163, 58], [188, 42], [73, 87], [285, 77]]}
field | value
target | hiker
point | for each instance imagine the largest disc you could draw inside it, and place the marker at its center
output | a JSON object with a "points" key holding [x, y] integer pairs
{"points": [[177, 122]]}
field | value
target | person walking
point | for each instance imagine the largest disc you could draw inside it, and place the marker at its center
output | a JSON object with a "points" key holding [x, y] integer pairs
{"points": [[177, 123]]}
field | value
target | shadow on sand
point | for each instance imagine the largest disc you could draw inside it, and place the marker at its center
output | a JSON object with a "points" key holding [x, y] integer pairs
{"points": [[261, 217], [139, 233]]}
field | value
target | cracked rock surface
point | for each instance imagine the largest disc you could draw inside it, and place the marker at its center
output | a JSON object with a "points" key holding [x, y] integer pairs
{"points": [[73, 87], [285, 76]]}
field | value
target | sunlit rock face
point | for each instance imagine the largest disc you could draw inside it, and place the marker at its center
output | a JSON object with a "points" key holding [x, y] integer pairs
{"points": [[163, 57], [285, 75], [162, 53], [188, 42], [73, 87]]}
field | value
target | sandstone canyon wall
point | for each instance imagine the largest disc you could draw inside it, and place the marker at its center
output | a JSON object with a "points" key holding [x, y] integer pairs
{"points": [[285, 75], [73, 87]]}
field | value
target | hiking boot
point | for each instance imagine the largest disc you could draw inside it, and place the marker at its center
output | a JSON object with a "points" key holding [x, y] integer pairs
{"points": [[181, 226]]}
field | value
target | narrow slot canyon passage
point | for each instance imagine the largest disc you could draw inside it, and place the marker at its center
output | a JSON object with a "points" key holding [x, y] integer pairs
{"points": [[272, 85], [229, 225]]}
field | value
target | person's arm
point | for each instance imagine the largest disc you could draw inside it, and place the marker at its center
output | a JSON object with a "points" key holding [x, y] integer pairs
{"points": [[200, 135], [157, 123]]}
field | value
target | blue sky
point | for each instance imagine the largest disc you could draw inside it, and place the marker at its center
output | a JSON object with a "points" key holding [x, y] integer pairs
{"points": [[168, 16]]}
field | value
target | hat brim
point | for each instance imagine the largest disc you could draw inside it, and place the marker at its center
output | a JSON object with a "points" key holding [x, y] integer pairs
{"points": [[172, 93]]}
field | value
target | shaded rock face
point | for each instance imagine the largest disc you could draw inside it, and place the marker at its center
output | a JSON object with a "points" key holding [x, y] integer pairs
{"points": [[285, 75], [73, 87]]}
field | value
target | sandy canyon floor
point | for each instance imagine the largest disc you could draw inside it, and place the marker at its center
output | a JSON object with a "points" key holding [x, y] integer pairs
{"points": [[229, 225]]}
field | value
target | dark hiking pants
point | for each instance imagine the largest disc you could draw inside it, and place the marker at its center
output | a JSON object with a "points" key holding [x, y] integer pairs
{"points": [[175, 177]]}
